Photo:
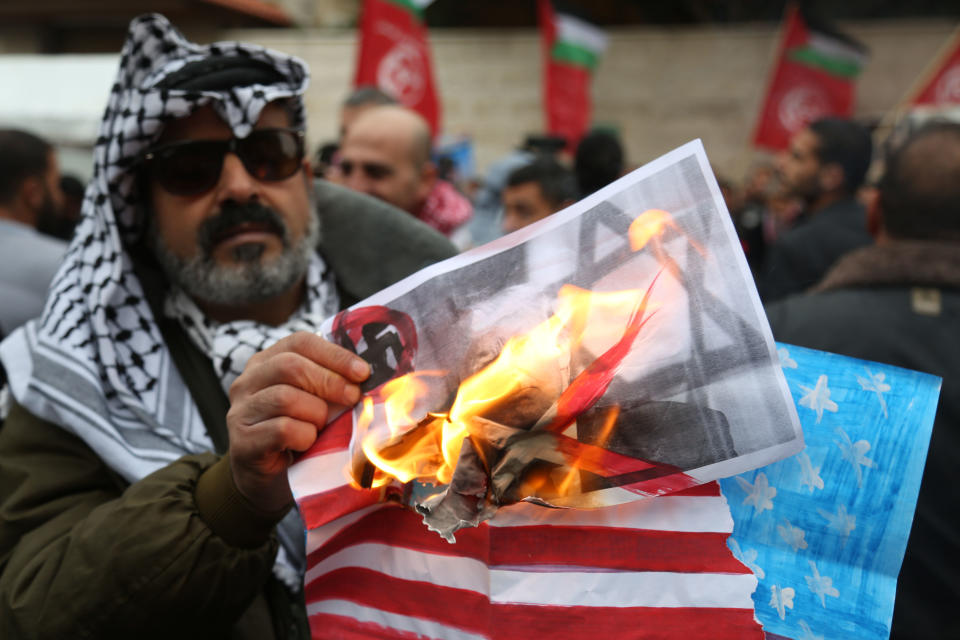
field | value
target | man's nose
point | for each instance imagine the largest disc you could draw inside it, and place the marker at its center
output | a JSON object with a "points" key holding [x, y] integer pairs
{"points": [[235, 183]]}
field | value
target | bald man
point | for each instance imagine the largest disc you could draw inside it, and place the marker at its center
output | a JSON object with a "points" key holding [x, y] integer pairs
{"points": [[386, 154]]}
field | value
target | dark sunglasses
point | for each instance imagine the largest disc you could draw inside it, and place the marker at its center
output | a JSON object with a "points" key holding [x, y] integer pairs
{"points": [[191, 167]]}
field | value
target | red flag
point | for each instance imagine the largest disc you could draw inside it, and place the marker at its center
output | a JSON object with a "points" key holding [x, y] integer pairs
{"points": [[943, 83], [571, 50], [813, 79], [394, 55]]}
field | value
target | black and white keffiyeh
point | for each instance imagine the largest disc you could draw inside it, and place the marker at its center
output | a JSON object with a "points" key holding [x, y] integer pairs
{"points": [[95, 363]]}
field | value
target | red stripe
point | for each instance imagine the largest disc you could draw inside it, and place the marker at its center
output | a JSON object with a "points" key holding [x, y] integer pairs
{"points": [[706, 490], [662, 486], [459, 608], [324, 626], [318, 509], [545, 545], [334, 437], [473, 612], [611, 548], [520, 622]]}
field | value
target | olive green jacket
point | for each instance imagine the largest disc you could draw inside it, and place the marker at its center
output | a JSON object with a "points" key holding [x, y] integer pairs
{"points": [[180, 553]]}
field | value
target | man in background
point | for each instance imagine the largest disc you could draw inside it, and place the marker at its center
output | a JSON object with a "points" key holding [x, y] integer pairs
{"points": [[386, 153], [327, 158], [898, 302], [535, 191], [598, 161], [824, 167], [359, 100], [29, 196]]}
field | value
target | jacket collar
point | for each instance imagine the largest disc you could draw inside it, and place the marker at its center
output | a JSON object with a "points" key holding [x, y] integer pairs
{"points": [[902, 262]]}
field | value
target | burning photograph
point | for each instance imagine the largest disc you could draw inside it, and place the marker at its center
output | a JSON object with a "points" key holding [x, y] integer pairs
{"points": [[613, 352]]}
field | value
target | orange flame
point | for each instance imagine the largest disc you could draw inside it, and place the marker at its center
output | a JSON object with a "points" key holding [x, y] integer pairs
{"points": [[518, 389], [427, 447], [651, 225]]}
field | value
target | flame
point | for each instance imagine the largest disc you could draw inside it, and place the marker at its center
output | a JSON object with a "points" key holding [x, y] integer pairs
{"points": [[427, 447], [648, 225], [523, 388], [651, 225]]}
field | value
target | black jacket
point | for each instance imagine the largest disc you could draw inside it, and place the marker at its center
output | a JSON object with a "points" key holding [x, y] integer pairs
{"points": [[802, 256], [900, 304]]}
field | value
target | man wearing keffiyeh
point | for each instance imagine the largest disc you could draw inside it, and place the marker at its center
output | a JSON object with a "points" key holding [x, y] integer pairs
{"points": [[195, 272]]}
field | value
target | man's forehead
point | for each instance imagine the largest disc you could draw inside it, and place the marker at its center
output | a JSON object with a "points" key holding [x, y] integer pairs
{"points": [[379, 145], [525, 190], [206, 123]]}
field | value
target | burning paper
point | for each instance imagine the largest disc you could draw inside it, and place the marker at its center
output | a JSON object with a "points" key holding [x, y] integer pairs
{"points": [[616, 350]]}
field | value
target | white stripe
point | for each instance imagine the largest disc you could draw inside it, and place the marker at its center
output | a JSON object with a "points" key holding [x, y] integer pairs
{"points": [[836, 48], [67, 361], [406, 564], [419, 626], [623, 589], [583, 34], [318, 537], [679, 513], [319, 474]]}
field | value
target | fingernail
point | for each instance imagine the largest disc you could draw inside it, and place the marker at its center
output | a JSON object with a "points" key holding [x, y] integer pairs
{"points": [[360, 368], [351, 394]]}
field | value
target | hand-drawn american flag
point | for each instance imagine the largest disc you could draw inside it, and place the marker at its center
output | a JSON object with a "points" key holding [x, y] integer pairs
{"points": [[654, 568]]}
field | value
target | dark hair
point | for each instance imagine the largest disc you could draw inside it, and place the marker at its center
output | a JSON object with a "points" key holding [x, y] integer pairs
{"points": [[22, 155], [368, 95], [72, 186], [557, 183], [920, 189], [598, 161], [847, 144]]}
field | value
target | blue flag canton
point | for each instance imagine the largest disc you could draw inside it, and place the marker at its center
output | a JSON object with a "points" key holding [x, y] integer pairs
{"points": [[825, 530]]}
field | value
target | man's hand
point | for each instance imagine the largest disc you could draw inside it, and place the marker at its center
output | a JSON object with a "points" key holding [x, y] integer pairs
{"points": [[277, 406]]}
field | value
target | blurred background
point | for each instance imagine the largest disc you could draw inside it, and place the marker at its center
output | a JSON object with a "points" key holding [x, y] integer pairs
{"points": [[671, 71]]}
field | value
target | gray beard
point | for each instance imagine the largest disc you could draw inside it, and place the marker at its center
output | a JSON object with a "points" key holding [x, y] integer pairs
{"points": [[251, 281]]}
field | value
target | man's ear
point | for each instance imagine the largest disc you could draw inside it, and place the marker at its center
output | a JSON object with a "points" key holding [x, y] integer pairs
{"points": [[428, 178], [875, 223], [831, 177], [32, 192]]}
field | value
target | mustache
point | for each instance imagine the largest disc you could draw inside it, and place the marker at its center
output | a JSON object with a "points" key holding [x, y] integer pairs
{"points": [[235, 213]]}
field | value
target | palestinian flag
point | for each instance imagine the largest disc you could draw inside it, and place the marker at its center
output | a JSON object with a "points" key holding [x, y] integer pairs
{"points": [[814, 78], [394, 55], [572, 49], [940, 85]]}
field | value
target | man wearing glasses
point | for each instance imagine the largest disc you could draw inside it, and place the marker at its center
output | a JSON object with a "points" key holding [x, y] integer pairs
{"points": [[183, 323]]}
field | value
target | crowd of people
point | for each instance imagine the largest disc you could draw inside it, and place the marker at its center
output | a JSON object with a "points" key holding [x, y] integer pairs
{"points": [[160, 367]]}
